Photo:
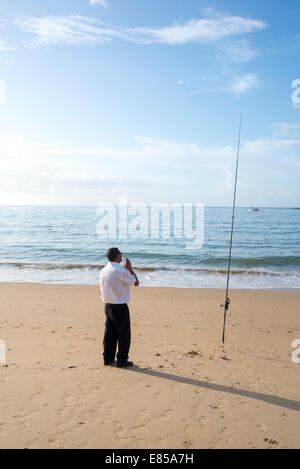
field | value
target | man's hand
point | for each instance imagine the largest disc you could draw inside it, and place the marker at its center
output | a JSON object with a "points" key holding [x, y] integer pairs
{"points": [[127, 265]]}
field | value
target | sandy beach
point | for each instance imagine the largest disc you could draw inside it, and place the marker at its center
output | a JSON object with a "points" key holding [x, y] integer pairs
{"points": [[56, 393]]}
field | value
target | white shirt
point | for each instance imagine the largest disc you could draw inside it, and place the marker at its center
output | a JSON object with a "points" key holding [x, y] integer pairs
{"points": [[114, 283]]}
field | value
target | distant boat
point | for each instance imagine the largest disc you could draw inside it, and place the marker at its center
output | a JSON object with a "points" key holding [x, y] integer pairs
{"points": [[253, 209], [297, 208]]}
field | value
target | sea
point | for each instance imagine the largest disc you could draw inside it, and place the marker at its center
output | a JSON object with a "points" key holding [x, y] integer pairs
{"points": [[61, 245]]}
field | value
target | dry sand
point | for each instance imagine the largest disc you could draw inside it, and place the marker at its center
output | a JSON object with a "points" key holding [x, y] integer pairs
{"points": [[56, 393]]}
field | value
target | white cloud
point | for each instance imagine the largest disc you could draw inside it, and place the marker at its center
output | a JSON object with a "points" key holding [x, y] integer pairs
{"points": [[2, 92], [273, 147], [179, 82], [102, 3], [76, 29], [238, 51], [23, 160], [4, 47], [42, 172], [72, 30], [244, 83], [284, 129], [198, 30], [40, 169], [238, 86]]}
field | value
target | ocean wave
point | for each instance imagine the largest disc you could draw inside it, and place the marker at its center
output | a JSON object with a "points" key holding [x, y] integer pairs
{"points": [[145, 269], [273, 261]]}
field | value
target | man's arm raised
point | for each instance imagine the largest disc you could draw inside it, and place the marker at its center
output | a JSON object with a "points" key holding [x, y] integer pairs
{"points": [[128, 267]]}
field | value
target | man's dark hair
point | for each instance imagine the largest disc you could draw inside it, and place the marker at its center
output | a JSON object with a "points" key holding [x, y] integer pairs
{"points": [[112, 254]]}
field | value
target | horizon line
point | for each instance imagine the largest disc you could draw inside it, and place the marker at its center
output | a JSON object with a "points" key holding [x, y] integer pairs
{"points": [[89, 205]]}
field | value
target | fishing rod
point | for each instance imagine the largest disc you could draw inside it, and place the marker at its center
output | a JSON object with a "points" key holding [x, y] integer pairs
{"points": [[227, 300]]}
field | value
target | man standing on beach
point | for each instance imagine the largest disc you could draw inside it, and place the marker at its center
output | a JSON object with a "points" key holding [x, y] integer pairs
{"points": [[115, 281]]}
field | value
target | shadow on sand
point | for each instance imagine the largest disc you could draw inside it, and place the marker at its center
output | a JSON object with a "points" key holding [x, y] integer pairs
{"points": [[274, 400]]}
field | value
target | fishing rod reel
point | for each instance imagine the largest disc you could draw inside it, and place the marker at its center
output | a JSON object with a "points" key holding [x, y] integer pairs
{"points": [[226, 308], [227, 303]]}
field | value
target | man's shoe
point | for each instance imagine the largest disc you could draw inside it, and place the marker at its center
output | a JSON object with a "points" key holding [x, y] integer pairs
{"points": [[111, 363], [124, 364]]}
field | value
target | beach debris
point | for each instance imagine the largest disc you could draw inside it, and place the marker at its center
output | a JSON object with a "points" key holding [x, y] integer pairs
{"points": [[187, 443], [193, 353], [158, 355], [222, 357], [72, 366], [271, 441]]}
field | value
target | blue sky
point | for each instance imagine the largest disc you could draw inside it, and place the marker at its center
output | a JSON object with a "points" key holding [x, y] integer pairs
{"points": [[100, 98]]}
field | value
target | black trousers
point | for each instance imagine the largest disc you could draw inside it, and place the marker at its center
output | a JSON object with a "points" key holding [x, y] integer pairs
{"points": [[117, 332]]}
